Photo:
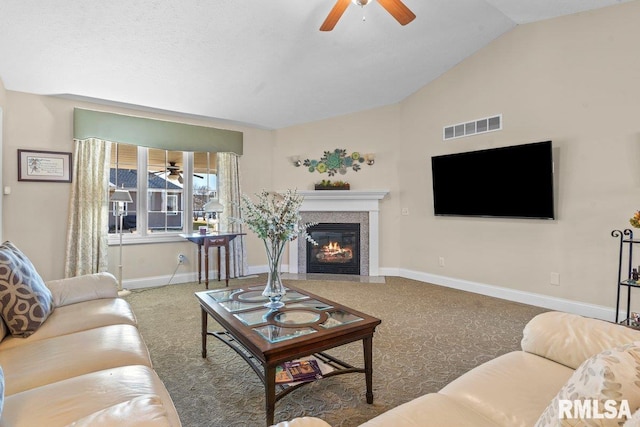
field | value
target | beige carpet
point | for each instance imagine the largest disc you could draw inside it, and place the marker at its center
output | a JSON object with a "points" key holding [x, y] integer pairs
{"points": [[429, 336]]}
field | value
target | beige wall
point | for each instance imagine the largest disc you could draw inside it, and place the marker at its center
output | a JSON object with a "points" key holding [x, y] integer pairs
{"points": [[373, 131], [35, 214], [572, 80], [3, 102]]}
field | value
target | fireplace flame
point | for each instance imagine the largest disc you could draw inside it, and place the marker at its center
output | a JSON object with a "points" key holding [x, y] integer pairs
{"points": [[333, 252], [332, 247]]}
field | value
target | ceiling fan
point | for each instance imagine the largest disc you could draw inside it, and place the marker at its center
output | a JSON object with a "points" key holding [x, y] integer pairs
{"points": [[396, 8], [174, 173]]}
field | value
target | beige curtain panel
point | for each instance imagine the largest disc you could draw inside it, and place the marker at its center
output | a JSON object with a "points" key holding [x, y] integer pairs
{"points": [[88, 215], [229, 187]]}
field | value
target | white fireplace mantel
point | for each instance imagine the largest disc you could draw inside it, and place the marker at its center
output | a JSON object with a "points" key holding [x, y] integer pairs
{"points": [[344, 201]]}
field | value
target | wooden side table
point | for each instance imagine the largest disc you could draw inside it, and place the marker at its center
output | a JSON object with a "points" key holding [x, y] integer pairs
{"points": [[212, 240]]}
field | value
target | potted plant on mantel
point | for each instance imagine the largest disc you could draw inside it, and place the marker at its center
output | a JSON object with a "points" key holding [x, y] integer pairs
{"points": [[326, 184]]}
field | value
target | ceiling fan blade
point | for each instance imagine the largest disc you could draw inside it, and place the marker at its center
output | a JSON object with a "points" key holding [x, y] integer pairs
{"points": [[334, 15], [398, 10]]}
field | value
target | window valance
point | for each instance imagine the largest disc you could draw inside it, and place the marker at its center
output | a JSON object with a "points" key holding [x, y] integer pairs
{"points": [[154, 133]]}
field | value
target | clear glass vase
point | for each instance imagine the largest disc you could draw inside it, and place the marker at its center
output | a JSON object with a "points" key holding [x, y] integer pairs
{"points": [[274, 289]]}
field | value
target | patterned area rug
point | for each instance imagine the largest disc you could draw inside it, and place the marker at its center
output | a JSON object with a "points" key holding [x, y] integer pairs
{"points": [[429, 336]]}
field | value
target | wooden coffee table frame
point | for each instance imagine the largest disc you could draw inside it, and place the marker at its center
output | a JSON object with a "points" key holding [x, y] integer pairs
{"points": [[264, 356]]}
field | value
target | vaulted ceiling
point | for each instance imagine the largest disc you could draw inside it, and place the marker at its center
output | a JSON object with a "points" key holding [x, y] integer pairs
{"points": [[257, 62]]}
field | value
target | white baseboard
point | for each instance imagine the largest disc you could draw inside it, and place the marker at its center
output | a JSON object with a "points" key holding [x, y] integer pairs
{"points": [[539, 300], [188, 277], [257, 269], [383, 271], [152, 282]]}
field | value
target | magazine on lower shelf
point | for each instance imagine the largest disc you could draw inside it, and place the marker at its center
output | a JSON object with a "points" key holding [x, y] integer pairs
{"points": [[297, 371]]}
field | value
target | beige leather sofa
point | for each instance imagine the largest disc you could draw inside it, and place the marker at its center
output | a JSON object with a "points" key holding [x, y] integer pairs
{"points": [[86, 365], [560, 353]]}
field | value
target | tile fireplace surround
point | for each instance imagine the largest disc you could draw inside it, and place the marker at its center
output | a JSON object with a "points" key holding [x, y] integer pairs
{"points": [[334, 206]]}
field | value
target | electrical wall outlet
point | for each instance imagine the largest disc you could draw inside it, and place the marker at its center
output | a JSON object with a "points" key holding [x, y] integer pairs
{"points": [[555, 279], [181, 258], [441, 261]]}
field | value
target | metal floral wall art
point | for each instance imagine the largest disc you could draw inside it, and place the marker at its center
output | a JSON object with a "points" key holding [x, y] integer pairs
{"points": [[336, 161]]}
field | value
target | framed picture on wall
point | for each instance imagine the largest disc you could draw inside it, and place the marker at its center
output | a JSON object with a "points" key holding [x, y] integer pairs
{"points": [[44, 166]]}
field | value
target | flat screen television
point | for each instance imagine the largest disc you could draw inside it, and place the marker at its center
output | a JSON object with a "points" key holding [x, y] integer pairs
{"points": [[507, 182]]}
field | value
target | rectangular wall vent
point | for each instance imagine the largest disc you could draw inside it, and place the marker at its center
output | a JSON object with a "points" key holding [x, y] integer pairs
{"points": [[487, 124]]}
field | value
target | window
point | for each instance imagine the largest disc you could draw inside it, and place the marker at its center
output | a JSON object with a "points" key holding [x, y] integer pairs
{"points": [[172, 204], [205, 187], [175, 186], [165, 190], [123, 174]]}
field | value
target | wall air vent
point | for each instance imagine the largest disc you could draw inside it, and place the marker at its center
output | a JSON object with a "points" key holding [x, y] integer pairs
{"points": [[487, 124]]}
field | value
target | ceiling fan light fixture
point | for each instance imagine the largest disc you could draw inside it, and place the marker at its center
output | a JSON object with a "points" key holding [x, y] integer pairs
{"points": [[396, 8], [361, 2]]}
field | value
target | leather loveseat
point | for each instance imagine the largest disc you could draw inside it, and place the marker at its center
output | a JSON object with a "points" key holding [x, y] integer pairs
{"points": [[564, 358], [85, 364]]}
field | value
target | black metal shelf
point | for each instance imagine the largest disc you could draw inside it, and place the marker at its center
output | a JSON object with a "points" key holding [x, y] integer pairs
{"points": [[627, 242], [630, 323], [630, 283]]}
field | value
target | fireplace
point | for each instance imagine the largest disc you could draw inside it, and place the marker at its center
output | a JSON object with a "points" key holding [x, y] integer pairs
{"points": [[349, 206], [337, 251]]}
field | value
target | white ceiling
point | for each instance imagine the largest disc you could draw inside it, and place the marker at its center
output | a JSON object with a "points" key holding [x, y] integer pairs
{"points": [[258, 62]]}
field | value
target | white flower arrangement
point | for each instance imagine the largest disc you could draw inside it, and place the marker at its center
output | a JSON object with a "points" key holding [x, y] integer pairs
{"points": [[275, 217]]}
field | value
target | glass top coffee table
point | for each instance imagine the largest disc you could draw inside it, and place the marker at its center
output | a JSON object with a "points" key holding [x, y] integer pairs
{"points": [[307, 325]]}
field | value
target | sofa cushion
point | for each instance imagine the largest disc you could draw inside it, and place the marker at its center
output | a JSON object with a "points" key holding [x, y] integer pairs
{"points": [[511, 390], [61, 403], [25, 301], [142, 411], [72, 355], [612, 375], [78, 317]]}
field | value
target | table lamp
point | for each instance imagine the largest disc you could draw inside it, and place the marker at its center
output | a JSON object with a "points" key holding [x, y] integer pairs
{"points": [[214, 205]]}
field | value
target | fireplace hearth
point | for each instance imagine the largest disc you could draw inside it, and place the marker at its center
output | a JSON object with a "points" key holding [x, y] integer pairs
{"points": [[338, 249]]}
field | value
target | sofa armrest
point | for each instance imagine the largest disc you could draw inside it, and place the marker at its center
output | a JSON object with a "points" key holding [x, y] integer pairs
{"points": [[570, 339], [83, 288], [303, 422]]}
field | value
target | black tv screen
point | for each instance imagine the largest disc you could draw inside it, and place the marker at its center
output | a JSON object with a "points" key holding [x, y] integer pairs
{"points": [[508, 182]]}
